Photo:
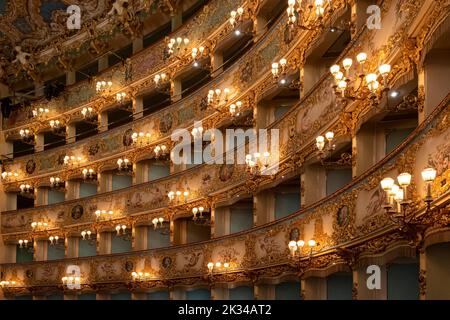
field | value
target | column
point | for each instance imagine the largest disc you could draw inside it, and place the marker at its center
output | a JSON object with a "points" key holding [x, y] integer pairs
{"points": [[213, 221], [104, 182], [217, 63], [264, 292], [437, 79], [315, 184], [72, 247], [38, 142], [176, 19], [138, 296], [140, 238], [104, 243], [103, 121], [70, 296], [263, 207], [315, 288], [41, 196], [138, 44], [40, 250], [176, 90], [71, 131], [138, 107], [72, 189], [103, 296], [70, 77], [103, 62], [219, 292]]}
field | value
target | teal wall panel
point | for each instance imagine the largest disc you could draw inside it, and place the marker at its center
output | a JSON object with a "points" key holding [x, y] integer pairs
{"points": [[119, 244], [87, 248], [121, 296], [56, 296], [158, 171], [87, 296], [286, 203], [403, 281], [158, 295], [157, 240], [336, 179], [55, 252], [23, 255], [55, 196], [395, 137], [87, 189], [26, 297], [198, 294], [196, 233], [241, 293], [339, 287], [240, 219], [287, 291], [122, 181], [280, 111]]}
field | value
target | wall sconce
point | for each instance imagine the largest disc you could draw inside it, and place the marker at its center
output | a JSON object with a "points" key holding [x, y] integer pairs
{"points": [[217, 98], [235, 109], [176, 47], [140, 276], [279, 70], [53, 240], [89, 115], [8, 284], [125, 165], [103, 87], [177, 196], [9, 176], [257, 164], [104, 213], [85, 233], [27, 136], [199, 218], [367, 85], [71, 282], [307, 15], [155, 222], [198, 54], [89, 174], [57, 128], [162, 83], [296, 247], [141, 138], [23, 243], [121, 229], [197, 132], [160, 151], [73, 161], [236, 19], [26, 189], [218, 266], [36, 226], [40, 112], [121, 97], [56, 183], [321, 141]]}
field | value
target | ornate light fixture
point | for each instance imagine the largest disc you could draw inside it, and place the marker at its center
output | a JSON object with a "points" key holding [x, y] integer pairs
{"points": [[26, 189], [296, 247], [236, 19], [103, 87], [140, 276], [40, 112], [162, 83], [73, 161], [176, 47], [235, 109], [158, 222], [279, 70], [217, 98], [87, 233], [397, 197], [23, 243], [9, 176], [8, 284], [141, 138], [125, 165], [197, 132], [218, 267], [160, 151], [321, 141], [307, 15], [27, 136], [178, 196], [53, 240], [57, 128], [197, 54], [104, 213], [38, 225], [121, 229], [71, 282], [121, 97], [257, 164], [89, 115], [199, 218], [56, 183], [89, 174], [360, 86]]}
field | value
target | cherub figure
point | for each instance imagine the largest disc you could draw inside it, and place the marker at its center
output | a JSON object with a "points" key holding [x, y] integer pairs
{"points": [[24, 58]]}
